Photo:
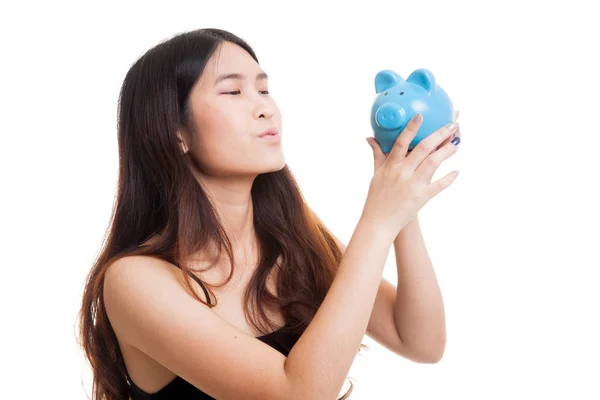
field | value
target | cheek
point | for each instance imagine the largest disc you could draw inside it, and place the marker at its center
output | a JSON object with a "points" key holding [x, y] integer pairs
{"points": [[224, 119], [214, 129], [224, 133], [221, 141]]}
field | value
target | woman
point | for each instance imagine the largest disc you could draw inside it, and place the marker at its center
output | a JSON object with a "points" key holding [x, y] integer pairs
{"points": [[212, 245]]}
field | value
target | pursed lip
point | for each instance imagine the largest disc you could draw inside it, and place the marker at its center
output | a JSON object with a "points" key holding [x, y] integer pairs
{"points": [[272, 132]]}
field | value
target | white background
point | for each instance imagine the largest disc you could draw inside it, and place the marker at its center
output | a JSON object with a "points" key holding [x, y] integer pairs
{"points": [[514, 240]]}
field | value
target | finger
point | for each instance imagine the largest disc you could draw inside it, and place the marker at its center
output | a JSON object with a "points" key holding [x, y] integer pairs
{"points": [[400, 147], [457, 133], [378, 154], [428, 145], [427, 168], [434, 188], [376, 146], [452, 137]]}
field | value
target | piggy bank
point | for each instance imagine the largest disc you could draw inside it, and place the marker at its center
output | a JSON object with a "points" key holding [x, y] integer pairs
{"points": [[399, 100]]}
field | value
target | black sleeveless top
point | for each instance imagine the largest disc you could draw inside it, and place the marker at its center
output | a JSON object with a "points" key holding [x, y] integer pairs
{"points": [[179, 388]]}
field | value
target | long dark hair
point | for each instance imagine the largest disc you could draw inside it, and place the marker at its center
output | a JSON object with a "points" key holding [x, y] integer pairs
{"points": [[158, 193]]}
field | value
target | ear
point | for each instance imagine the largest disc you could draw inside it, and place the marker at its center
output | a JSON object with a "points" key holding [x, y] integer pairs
{"points": [[424, 78], [386, 79], [181, 141]]}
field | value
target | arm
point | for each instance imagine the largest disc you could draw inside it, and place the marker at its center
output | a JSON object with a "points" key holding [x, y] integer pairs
{"points": [[419, 307], [322, 357], [149, 309], [394, 308]]}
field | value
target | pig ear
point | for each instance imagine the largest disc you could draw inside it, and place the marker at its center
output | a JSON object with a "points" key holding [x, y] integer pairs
{"points": [[386, 79], [424, 78]]}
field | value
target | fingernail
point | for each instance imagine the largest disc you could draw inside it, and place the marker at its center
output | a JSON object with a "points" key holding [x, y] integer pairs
{"points": [[453, 127], [455, 141], [417, 118]]}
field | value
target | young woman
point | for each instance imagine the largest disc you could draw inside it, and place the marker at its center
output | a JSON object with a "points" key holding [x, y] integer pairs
{"points": [[216, 279]]}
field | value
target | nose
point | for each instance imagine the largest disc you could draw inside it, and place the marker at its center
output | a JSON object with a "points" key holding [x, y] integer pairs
{"points": [[390, 116], [263, 109]]}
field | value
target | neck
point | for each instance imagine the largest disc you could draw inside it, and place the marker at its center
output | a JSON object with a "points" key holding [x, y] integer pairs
{"points": [[233, 202]]}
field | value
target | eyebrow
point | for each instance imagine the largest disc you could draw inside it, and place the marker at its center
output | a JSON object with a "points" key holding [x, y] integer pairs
{"points": [[262, 75]]}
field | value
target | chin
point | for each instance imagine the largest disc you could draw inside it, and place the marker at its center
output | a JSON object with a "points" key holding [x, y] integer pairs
{"points": [[273, 165]]}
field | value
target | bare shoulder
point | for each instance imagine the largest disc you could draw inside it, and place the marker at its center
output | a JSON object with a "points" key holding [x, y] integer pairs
{"points": [[142, 270], [134, 278], [150, 310]]}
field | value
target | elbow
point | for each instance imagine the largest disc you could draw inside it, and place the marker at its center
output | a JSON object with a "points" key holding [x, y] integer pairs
{"points": [[432, 358], [427, 355], [435, 354]]}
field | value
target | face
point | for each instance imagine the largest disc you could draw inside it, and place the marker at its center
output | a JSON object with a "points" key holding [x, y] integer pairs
{"points": [[230, 114]]}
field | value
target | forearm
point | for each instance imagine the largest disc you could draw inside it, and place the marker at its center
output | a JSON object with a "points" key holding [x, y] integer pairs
{"points": [[419, 311], [320, 361]]}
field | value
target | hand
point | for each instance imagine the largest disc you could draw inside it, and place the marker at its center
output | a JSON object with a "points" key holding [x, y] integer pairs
{"points": [[379, 156], [401, 184], [450, 138]]}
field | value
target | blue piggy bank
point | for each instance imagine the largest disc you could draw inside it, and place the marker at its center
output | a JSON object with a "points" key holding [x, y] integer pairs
{"points": [[399, 100]]}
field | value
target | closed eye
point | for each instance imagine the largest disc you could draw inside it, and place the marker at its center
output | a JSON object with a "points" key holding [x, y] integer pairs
{"points": [[238, 92]]}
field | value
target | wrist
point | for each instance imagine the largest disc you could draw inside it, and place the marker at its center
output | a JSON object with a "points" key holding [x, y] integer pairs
{"points": [[376, 229]]}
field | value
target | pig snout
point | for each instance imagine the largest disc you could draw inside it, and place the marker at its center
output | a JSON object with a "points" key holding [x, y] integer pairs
{"points": [[390, 116]]}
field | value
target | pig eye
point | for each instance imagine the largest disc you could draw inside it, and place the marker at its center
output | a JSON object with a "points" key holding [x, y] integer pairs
{"points": [[385, 94], [401, 93]]}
